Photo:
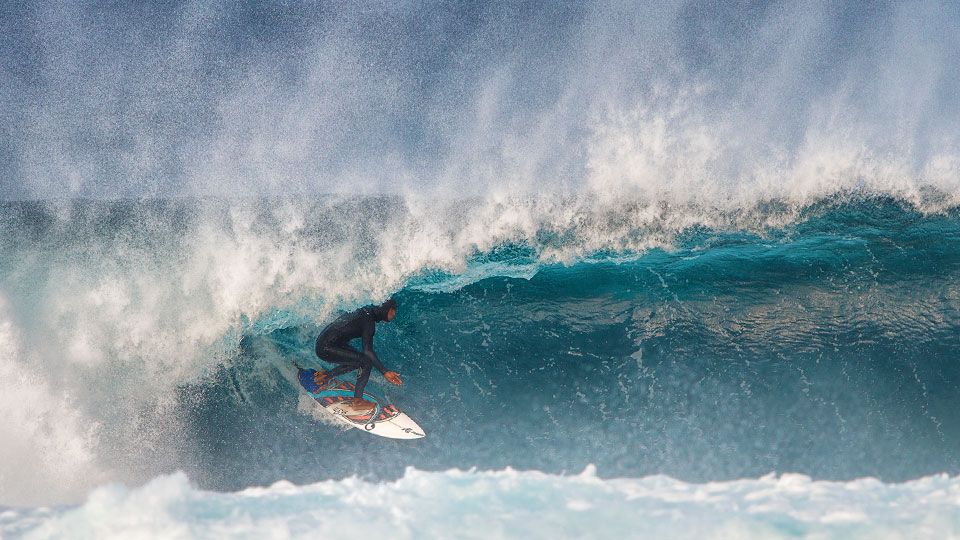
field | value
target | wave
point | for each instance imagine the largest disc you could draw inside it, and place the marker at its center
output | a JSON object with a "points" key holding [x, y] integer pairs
{"points": [[182, 311], [509, 504]]}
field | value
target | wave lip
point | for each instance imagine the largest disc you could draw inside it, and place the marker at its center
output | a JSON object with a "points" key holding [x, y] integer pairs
{"points": [[510, 504]]}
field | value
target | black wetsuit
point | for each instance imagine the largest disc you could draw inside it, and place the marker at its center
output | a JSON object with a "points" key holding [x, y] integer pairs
{"points": [[333, 345]]}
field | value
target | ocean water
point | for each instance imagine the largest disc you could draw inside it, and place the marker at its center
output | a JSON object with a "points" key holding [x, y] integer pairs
{"points": [[781, 372], [665, 269], [459, 504]]}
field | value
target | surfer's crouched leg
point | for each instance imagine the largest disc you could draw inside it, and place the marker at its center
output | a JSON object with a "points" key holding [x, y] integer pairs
{"points": [[362, 380], [347, 359]]}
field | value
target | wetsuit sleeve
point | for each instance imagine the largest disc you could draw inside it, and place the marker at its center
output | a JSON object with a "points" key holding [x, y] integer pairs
{"points": [[368, 330]]}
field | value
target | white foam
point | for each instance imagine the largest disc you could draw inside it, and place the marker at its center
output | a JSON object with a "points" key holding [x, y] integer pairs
{"points": [[512, 504], [47, 447]]}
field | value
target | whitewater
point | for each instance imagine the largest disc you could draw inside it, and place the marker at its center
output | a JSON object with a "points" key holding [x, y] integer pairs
{"points": [[665, 270], [511, 504]]}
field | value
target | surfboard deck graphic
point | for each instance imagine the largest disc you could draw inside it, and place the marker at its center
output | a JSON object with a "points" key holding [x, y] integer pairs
{"points": [[384, 420]]}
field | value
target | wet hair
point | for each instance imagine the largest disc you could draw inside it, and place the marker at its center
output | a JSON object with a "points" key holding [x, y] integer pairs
{"points": [[380, 312]]}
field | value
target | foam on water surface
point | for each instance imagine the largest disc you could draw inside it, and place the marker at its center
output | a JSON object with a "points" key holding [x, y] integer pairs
{"points": [[510, 504]]}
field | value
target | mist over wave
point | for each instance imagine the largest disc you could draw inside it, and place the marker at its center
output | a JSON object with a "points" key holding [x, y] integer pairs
{"points": [[666, 99]]}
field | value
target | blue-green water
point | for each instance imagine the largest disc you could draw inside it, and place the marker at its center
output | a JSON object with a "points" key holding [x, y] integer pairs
{"points": [[144, 338], [827, 347]]}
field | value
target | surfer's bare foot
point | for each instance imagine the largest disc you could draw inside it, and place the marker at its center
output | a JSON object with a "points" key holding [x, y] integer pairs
{"points": [[320, 378], [360, 404]]}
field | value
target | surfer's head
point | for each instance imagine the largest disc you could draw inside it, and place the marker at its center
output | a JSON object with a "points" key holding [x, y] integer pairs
{"points": [[387, 310]]}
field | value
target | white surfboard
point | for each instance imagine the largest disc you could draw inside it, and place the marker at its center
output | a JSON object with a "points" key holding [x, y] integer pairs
{"points": [[385, 420]]}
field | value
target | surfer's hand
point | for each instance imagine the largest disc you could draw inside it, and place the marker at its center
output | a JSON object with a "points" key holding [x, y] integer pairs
{"points": [[393, 378]]}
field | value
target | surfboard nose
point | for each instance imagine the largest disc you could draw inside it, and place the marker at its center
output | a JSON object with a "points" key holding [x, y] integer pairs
{"points": [[400, 426]]}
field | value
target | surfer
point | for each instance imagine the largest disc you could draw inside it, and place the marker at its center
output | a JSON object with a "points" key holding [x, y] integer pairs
{"points": [[333, 345]]}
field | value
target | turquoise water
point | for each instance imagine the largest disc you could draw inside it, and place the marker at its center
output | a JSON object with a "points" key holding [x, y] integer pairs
{"points": [[818, 341], [825, 348]]}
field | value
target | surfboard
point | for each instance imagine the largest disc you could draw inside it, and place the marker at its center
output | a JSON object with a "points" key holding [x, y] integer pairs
{"points": [[384, 420]]}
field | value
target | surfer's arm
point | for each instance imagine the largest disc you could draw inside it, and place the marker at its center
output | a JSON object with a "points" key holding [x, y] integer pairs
{"points": [[368, 331]]}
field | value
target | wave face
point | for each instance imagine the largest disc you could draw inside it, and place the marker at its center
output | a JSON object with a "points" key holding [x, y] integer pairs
{"points": [[826, 348], [547, 334], [456, 504]]}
